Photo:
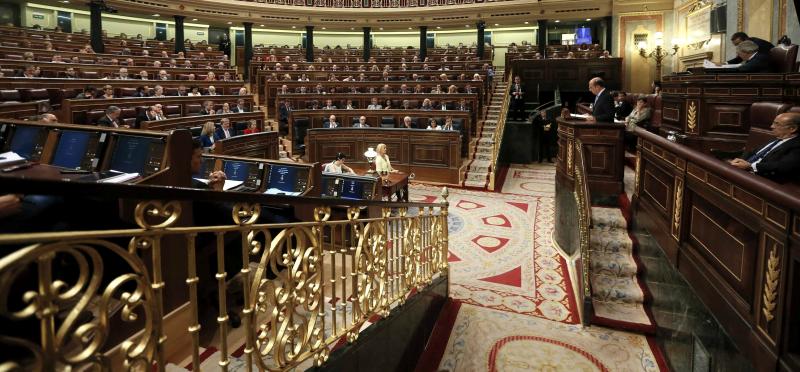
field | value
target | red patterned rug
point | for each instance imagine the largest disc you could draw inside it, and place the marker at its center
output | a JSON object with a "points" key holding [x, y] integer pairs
{"points": [[501, 254]]}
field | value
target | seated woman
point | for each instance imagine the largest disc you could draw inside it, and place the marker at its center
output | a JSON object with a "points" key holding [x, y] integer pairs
{"points": [[639, 117], [337, 166], [195, 92], [433, 125], [207, 136], [388, 105], [252, 127], [382, 163]]}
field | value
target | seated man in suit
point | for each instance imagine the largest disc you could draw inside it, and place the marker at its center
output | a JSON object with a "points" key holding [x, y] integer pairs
{"points": [[778, 160], [332, 122], [603, 107], [224, 130], [621, 106], [111, 119], [763, 46], [150, 114], [374, 105], [329, 105], [208, 108], [753, 61], [362, 122]]}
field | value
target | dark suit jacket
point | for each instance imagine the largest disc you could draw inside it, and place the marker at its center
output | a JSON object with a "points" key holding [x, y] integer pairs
{"points": [[763, 47], [603, 109], [514, 90], [781, 164], [219, 134], [759, 63], [328, 125], [623, 110], [105, 121], [142, 117], [206, 141]]}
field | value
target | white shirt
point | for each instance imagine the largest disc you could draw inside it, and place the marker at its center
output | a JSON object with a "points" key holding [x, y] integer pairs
{"points": [[332, 167]]}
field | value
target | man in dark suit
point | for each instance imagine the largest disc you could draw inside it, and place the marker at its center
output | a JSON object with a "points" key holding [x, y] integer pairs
{"points": [[622, 107], [111, 119], [517, 100], [778, 160], [544, 130], [753, 61], [224, 130], [208, 108], [151, 114], [763, 46], [331, 123], [603, 106]]}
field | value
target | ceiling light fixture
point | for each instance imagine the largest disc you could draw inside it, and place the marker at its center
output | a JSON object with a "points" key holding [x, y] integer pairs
{"points": [[294, 26], [557, 21], [230, 23], [438, 27], [261, 25], [156, 15], [195, 20], [526, 22], [324, 28], [588, 19], [497, 24]]}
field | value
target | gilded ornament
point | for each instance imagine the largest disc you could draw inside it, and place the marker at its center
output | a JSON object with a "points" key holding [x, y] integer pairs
{"points": [[691, 116], [771, 278]]}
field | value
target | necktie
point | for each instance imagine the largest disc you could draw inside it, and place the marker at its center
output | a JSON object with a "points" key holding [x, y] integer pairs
{"points": [[763, 152]]}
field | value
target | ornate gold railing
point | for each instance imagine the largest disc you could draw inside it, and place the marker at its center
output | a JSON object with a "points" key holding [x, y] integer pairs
{"points": [[331, 276], [498, 133], [583, 203]]}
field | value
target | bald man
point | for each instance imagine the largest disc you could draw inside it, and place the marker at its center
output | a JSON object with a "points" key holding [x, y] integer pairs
{"points": [[778, 160], [603, 106]]}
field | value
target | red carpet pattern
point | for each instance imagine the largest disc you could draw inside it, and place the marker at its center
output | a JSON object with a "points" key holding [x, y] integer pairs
{"points": [[490, 340], [501, 255]]}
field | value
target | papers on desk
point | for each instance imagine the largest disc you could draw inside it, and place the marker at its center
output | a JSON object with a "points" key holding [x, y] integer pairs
{"points": [[122, 177], [229, 184], [274, 191], [709, 64], [617, 121], [581, 116], [10, 158]]}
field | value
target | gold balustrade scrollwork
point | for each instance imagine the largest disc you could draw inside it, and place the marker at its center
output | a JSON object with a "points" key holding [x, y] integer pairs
{"points": [[306, 285]]}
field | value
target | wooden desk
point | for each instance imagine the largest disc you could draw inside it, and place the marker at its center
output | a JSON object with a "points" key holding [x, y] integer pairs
{"points": [[605, 155], [24, 110], [433, 156], [735, 238], [77, 110], [392, 183], [263, 145], [198, 121], [569, 75]]}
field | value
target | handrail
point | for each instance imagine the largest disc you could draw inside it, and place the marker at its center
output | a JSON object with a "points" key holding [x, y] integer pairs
{"points": [[499, 130], [337, 274]]}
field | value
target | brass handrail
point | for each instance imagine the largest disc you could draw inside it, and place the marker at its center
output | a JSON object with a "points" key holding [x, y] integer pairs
{"points": [[499, 130], [336, 275]]}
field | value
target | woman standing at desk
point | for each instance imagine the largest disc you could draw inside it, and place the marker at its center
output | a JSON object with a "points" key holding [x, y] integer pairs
{"points": [[382, 163]]}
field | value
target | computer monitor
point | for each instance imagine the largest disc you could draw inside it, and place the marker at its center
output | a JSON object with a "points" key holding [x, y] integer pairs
{"points": [[26, 139], [136, 154], [76, 150], [331, 186], [249, 173], [352, 189], [206, 167], [282, 177]]}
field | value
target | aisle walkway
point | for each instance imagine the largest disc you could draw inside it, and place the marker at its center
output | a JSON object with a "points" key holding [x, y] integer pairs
{"points": [[514, 307]]}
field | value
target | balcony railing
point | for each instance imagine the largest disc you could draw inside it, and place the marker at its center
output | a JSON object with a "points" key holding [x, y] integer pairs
{"points": [[330, 276]]}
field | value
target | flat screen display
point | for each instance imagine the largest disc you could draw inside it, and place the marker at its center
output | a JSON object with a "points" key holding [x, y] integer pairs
{"points": [[583, 35], [248, 173], [71, 149], [131, 153], [352, 189], [25, 139], [282, 177]]}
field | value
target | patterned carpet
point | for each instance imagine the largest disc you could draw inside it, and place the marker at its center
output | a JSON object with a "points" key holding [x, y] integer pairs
{"points": [[513, 307]]}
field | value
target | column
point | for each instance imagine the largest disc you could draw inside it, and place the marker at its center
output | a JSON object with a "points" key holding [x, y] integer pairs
{"points": [[609, 33], [367, 43], [309, 43], [423, 42], [96, 27], [248, 48], [179, 47], [481, 27], [541, 36]]}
